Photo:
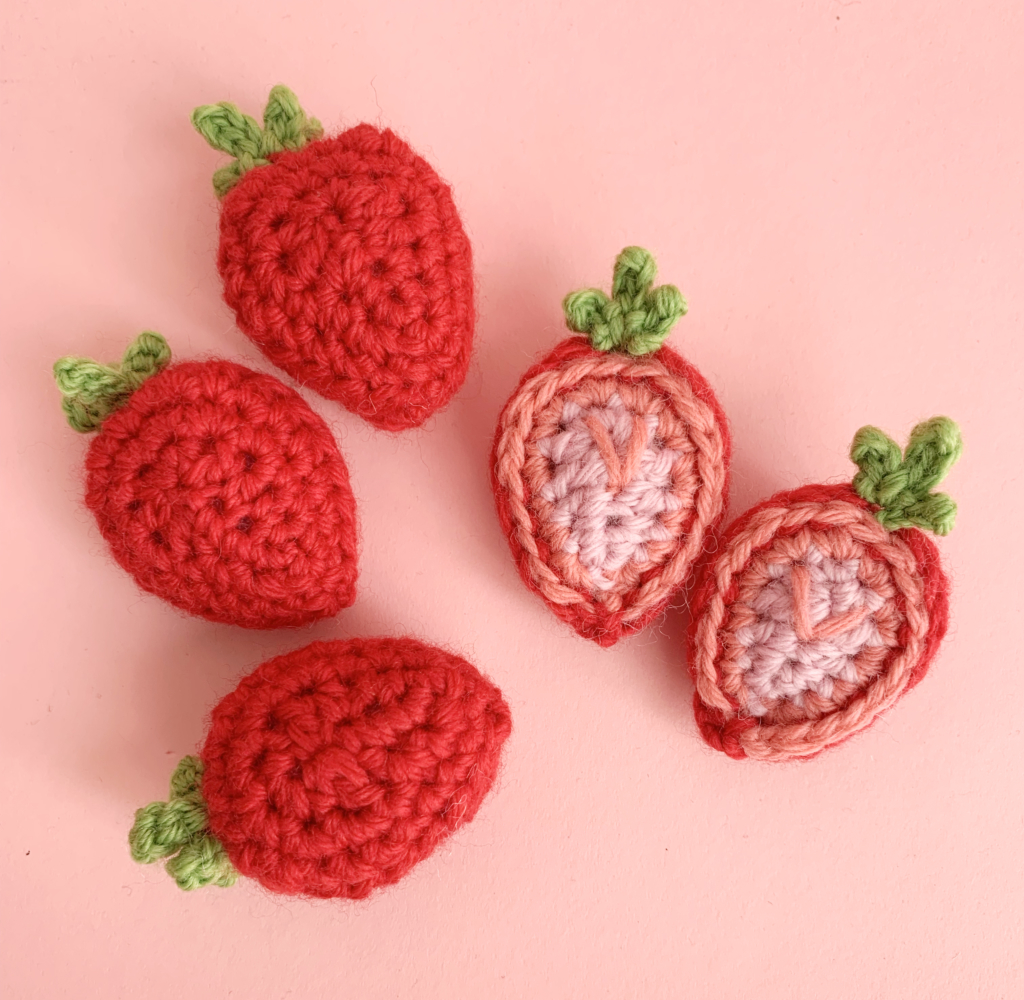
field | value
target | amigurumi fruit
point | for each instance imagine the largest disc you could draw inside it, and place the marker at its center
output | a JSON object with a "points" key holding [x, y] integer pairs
{"points": [[344, 260], [824, 605], [216, 487], [331, 771], [611, 459]]}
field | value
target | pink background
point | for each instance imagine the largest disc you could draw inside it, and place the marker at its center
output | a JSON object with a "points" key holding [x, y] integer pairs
{"points": [[837, 188]]}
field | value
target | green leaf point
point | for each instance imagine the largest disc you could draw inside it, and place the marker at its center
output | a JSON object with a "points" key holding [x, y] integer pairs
{"points": [[637, 317], [91, 391], [177, 830], [901, 485], [285, 127]]}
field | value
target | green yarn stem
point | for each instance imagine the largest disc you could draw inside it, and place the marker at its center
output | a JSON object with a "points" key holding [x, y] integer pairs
{"points": [[223, 126], [637, 318], [92, 391], [901, 484], [177, 829]]}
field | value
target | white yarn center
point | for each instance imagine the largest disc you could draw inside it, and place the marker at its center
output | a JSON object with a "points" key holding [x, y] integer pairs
{"points": [[610, 523], [805, 644]]}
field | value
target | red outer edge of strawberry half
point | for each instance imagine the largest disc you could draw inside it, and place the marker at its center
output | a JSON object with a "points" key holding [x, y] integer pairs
{"points": [[721, 732], [607, 628]]}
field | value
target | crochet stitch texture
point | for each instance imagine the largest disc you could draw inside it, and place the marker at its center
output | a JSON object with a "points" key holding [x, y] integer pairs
{"points": [[610, 461], [816, 616], [332, 770], [344, 260], [216, 487]]}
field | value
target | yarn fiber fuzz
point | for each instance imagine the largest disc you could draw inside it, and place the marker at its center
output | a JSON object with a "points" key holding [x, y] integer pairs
{"points": [[824, 605], [216, 487], [610, 461], [332, 770], [344, 260]]}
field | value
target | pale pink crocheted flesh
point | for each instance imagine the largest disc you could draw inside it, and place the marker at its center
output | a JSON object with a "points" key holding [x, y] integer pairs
{"points": [[814, 617], [610, 486], [613, 476], [813, 622]]}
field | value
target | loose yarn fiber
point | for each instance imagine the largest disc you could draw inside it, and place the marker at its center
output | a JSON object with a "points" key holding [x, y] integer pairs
{"points": [[331, 771], [344, 260], [610, 461], [216, 487], [824, 605]]}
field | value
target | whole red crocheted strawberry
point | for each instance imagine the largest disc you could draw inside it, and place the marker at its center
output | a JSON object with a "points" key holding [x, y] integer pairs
{"points": [[344, 260], [824, 605], [216, 487], [610, 465], [331, 771]]}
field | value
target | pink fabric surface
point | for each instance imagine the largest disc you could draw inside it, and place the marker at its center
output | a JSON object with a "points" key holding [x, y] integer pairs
{"points": [[836, 188]]}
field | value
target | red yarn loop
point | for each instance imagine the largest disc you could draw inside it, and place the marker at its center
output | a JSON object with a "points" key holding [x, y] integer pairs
{"points": [[332, 770]]}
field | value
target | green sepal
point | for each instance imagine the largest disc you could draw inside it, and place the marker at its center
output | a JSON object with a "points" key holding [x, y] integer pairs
{"points": [[637, 317], [92, 391], [177, 830], [225, 127], [286, 122], [901, 484], [200, 863]]}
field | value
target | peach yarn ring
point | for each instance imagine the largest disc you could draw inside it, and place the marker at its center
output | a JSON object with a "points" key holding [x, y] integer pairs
{"points": [[610, 461], [826, 604]]}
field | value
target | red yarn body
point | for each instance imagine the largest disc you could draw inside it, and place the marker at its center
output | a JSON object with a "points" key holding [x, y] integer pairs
{"points": [[601, 626], [221, 491], [346, 263], [721, 732], [332, 770]]}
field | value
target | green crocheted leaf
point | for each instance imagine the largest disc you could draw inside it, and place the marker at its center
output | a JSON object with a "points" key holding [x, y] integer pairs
{"points": [[200, 863], [637, 318], [92, 391], [177, 829], [635, 271], [284, 119], [225, 127], [934, 447], [228, 129], [901, 484]]}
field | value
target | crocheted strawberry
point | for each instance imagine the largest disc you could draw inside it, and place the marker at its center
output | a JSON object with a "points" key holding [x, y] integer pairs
{"points": [[331, 771], [825, 604], [215, 486], [610, 461], [344, 260]]}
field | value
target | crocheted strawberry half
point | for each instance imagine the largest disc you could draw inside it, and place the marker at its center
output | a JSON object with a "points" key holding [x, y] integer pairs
{"points": [[344, 260], [824, 605], [610, 461], [215, 486], [331, 771]]}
